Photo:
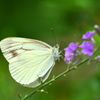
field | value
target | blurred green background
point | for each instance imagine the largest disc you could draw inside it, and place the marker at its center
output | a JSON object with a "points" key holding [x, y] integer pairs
{"points": [[34, 19]]}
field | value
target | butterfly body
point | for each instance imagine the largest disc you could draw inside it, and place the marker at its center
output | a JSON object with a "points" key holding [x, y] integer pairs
{"points": [[29, 59]]}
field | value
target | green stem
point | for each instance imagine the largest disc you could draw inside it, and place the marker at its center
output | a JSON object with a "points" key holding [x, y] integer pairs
{"points": [[58, 76]]}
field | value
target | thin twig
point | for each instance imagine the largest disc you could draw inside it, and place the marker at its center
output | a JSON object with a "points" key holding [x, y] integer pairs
{"points": [[58, 76]]}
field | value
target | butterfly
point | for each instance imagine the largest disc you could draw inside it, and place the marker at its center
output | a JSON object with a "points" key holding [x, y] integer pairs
{"points": [[29, 60]]}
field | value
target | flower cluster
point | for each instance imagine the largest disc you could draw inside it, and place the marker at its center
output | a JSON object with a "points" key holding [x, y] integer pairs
{"points": [[70, 51], [87, 47]]}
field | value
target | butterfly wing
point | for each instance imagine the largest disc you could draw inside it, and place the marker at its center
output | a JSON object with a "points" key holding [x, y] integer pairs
{"points": [[38, 81], [28, 60]]}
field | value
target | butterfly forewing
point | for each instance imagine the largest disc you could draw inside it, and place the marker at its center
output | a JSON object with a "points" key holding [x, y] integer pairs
{"points": [[28, 59], [14, 46]]}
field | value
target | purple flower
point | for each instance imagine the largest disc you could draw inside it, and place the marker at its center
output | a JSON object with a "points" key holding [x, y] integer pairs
{"points": [[88, 35], [68, 57], [72, 47], [87, 48], [70, 51]]}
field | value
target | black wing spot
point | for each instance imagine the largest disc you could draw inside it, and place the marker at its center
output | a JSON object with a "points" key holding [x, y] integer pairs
{"points": [[13, 52]]}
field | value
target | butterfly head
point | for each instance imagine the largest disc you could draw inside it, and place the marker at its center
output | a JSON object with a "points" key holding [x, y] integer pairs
{"points": [[56, 52]]}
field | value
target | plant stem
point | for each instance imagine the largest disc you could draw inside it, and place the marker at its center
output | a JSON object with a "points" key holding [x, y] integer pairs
{"points": [[58, 76]]}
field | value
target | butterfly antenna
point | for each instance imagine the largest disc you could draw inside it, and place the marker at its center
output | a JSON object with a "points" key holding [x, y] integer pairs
{"points": [[54, 35], [66, 38]]}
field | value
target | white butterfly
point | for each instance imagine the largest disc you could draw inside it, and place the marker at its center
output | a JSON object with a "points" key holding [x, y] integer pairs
{"points": [[29, 59]]}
